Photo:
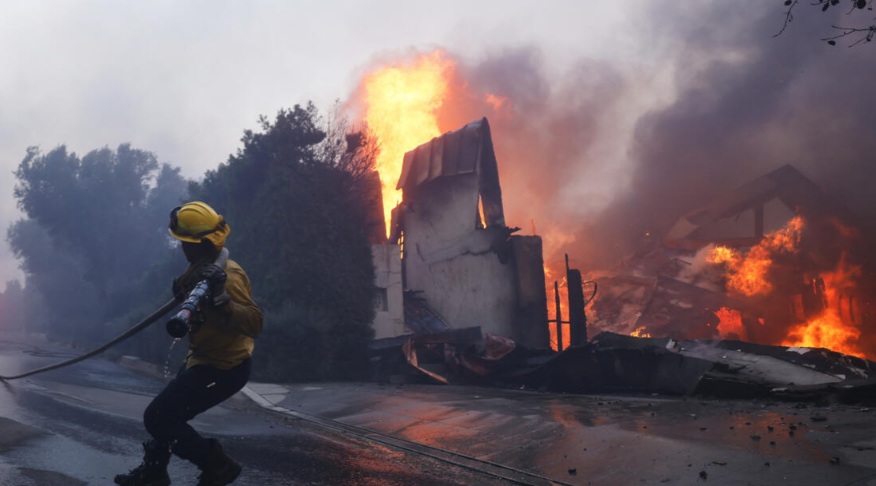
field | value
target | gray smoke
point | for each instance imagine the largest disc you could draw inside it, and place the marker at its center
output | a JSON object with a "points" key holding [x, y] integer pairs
{"points": [[786, 100], [745, 103]]}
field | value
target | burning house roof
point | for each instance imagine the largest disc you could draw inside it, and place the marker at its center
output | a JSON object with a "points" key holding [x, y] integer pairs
{"points": [[777, 261], [468, 150]]}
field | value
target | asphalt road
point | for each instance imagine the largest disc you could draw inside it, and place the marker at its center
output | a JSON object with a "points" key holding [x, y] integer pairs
{"points": [[81, 425]]}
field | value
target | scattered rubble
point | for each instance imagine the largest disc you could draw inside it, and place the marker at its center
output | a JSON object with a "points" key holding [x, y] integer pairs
{"points": [[625, 364]]}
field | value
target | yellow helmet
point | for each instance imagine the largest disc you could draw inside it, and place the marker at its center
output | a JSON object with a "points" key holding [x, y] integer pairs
{"points": [[196, 221]]}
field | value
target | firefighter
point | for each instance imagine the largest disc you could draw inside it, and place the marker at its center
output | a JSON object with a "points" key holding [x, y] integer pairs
{"points": [[218, 362]]}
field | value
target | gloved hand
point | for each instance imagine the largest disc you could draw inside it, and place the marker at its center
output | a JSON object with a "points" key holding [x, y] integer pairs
{"points": [[215, 276]]}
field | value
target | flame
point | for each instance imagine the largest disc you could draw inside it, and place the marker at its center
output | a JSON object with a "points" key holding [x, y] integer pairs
{"points": [[555, 239], [748, 274], [831, 329], [401, 104], [722, 254], [730, 324], [563, 290], [641, 332]]}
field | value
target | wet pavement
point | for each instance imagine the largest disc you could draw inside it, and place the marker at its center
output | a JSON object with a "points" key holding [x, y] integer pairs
{"points": [[602, 440], [81, 425]]}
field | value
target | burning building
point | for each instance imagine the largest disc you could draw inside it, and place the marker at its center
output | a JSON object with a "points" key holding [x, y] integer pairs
{"points": [[765, 292], [776, 261], [761, 293], [456, 264], [773, 272]]}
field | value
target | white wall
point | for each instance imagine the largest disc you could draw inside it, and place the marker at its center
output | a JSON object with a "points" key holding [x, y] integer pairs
{"points": [[388, 277], [452, 262]]}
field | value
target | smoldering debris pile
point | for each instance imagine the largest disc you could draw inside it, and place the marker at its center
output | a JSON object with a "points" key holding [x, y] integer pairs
{"points": [[615, 363]]}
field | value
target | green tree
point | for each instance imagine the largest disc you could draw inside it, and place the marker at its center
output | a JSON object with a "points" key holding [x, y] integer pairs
{"points": [[295, 199], [94, 231]]}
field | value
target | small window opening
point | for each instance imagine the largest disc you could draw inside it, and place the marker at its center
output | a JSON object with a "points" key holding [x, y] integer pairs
{"points": [[381, 300]]}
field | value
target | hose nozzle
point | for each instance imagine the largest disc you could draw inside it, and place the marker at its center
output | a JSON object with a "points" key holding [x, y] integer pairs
{"points": [[178, 325]]}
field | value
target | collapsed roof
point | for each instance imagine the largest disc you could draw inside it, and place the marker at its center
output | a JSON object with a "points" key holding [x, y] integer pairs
{"points": [[794, 192]]}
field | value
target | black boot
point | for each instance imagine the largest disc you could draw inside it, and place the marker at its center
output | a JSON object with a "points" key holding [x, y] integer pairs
{"points": [[153, 470], [218, 469]]}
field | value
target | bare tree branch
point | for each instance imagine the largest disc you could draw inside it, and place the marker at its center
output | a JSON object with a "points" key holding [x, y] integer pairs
{"points": [[789, 16], [866, 32]]}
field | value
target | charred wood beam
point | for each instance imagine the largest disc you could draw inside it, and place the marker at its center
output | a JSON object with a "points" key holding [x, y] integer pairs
{"points": [[559, 319], [577, 316]]}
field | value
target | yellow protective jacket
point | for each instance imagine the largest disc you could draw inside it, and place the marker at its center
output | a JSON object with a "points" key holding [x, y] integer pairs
{"points": [[223, 337]]}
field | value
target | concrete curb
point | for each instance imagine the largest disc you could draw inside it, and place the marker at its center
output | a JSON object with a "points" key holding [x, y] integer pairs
{"points": [[264, 403]]}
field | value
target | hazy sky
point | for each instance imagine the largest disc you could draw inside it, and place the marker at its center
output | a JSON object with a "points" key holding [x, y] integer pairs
{"points": [[183, 79]]}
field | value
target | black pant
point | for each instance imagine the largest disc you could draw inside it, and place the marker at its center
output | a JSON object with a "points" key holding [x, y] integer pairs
{"points": [[193, 391]]}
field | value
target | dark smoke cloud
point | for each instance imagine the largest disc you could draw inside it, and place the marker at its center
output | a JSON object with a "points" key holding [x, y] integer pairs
{"points": [[748, 104], [745, 103]]}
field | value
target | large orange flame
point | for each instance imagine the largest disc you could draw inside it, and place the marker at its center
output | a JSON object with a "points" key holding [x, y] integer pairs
{"points": [[401, 103], [748, 275], [730, 324], [832, 329]]}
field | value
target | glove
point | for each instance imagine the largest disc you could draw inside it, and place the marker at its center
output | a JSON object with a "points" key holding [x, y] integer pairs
{"points": [[215, 276]]}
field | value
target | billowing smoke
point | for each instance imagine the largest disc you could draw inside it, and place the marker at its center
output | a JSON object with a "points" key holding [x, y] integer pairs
{"points": [[604, 154], [747, 104], [561, 158], [601, 155]]}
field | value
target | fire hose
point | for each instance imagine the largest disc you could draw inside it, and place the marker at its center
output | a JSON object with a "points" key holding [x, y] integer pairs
{"points": [[177, 326]]}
